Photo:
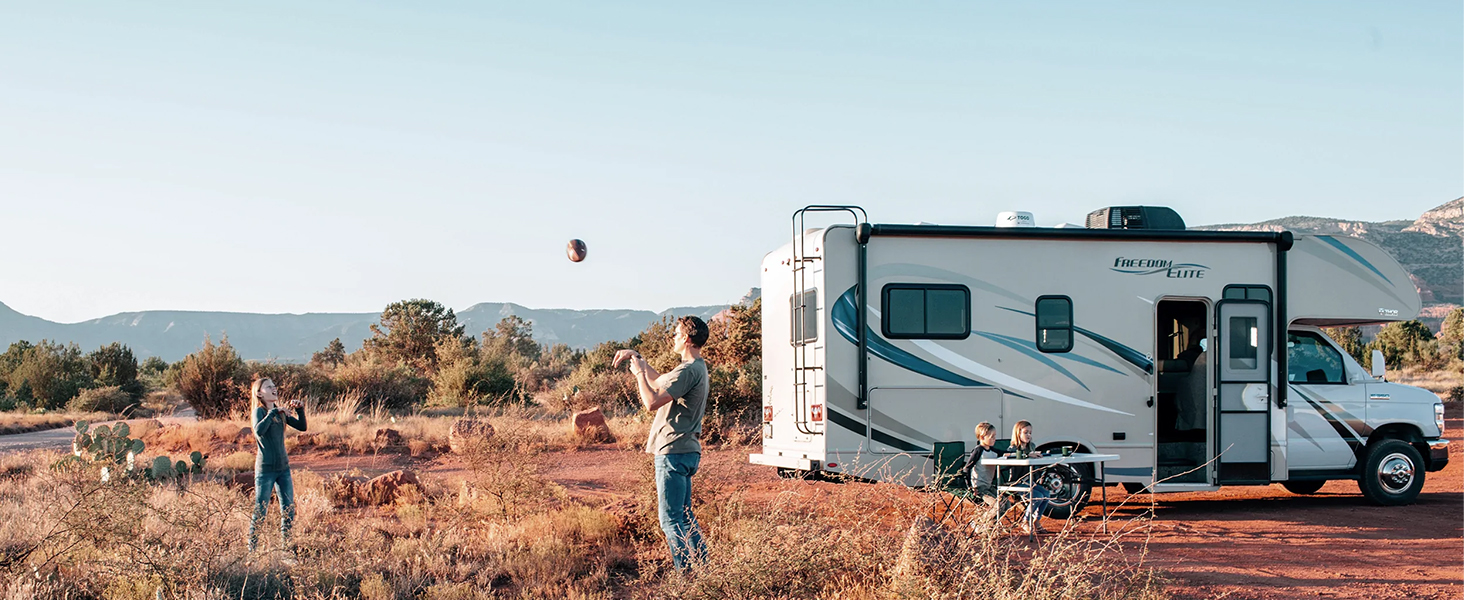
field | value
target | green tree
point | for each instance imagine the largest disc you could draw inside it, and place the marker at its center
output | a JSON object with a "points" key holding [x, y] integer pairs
{"points": [[152, 366], [1350, 339], [736, 339], [513, 339], [115, 365], [409, 332], [331, 357], [1406, 343], [49, 374], [1452, 334], [213, 380]]}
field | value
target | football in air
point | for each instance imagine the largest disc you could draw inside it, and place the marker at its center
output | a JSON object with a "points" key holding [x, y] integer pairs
{"points": [[576, 250]]}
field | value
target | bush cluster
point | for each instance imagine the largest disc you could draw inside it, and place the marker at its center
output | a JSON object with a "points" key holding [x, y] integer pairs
{"points": [[50, 376]]}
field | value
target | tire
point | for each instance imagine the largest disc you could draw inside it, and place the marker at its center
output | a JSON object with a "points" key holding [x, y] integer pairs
{"points": [[1392, 473], [1304, 488], [1069, 487], [1134, 487]]}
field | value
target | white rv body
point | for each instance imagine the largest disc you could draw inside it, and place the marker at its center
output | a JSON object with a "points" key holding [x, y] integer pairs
{"points": [[1134, 382]]}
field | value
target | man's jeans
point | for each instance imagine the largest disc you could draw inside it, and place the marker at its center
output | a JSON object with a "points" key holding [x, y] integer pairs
{"points": [[264, 485], [673, 488]]}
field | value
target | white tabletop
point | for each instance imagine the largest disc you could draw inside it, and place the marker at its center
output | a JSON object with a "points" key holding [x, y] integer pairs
{"points": [[1056, 459]]}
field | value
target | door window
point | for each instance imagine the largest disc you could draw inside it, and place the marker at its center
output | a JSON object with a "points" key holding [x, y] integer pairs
{"points": [[1244, 343], [1310, 359]]}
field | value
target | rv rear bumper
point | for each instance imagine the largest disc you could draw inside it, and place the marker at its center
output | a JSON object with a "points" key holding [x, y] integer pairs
{"points": [[1438, 454], [786, 462]]}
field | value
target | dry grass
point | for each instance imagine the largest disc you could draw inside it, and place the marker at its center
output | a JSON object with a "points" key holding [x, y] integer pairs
{"points": [[1441, 381], [17, 422], [504, 532]]}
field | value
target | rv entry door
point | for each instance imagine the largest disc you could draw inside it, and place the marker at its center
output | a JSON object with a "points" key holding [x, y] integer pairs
{"points": [[1243, 361]]}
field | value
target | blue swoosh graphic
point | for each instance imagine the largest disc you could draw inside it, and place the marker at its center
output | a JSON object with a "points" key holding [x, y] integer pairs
{"points": [[1031, 345], [1134, 357], [1020, 345], [844, 318], [1355, 256]]}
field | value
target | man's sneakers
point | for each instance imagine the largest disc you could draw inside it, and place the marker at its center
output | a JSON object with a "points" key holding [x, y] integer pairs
{"points": [[1033, 527]]}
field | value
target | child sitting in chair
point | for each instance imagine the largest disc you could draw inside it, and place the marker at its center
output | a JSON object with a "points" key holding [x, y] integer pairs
{"points": [[1021, 445], [982, 478]]}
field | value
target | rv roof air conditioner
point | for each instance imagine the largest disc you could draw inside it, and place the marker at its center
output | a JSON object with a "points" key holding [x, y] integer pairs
{"points": [[1015, 218], [1135, 217]]}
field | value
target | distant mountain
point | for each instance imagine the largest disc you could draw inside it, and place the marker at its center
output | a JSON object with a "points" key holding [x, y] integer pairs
{"points": [[1430, 247], [171, 335]]}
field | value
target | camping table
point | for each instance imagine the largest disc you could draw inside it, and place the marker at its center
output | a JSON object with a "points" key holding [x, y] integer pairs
{"points": [[1036, 463]]}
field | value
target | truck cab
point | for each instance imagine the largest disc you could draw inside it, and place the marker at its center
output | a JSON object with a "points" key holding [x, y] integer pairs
{"points": [[1344, 422]]}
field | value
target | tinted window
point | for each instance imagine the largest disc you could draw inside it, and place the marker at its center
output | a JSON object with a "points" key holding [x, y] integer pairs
{"points": [[1247, 292], [1309, 359], [926, 311], [1244, 343], [1054, 324]]}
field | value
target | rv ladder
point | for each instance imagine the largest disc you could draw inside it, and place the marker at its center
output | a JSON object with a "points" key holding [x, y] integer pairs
{"points": [[803, 384]]}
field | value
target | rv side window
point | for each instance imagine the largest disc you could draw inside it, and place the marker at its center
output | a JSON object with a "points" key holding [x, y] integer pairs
{"points": [[929, 311], [803, 309], [1054, 324], [1309, 359]]}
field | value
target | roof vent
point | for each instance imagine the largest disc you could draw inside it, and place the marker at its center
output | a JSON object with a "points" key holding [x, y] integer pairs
{"points": [[1135, 217], [1015, 218]]}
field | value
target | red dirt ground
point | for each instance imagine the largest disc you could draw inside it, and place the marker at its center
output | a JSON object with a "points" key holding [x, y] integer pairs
{"points": [[1239, 543]]}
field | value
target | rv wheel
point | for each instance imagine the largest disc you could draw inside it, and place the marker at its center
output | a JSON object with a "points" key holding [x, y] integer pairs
{"points": [[1391, 475], [1304, 487], [1068, 486]]}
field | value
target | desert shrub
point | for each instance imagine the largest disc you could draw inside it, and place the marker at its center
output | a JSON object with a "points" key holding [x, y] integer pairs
{"points": [[465, 376], [379, 382], [584, 388], [553, 364], [46, 375], [733, 402], [214, 381], [110, 399], [115, 365], [1456, 393]]}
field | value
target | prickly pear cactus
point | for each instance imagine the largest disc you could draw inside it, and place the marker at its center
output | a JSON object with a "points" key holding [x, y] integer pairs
{"points": [[162, 468], [196, 458]]}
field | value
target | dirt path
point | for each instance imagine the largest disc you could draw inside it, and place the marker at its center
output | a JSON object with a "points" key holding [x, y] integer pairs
{"points": [[60, 438]]}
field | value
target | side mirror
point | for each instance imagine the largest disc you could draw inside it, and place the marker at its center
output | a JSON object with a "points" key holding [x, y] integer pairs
{"points": [[1379, 369]]}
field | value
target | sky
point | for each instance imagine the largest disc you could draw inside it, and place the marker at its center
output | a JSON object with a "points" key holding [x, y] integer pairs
{"points": [[338, 156]]}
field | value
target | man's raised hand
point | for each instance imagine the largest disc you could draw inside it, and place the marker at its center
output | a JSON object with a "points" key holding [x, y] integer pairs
{"points": [[625, 354]]}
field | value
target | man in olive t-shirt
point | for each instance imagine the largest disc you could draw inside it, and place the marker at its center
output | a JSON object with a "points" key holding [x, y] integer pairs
{"points": [[679, 399]]}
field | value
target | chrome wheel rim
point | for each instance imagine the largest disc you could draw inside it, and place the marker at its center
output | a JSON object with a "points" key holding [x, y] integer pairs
{"points": [[1062, 487], [1395, 473]]}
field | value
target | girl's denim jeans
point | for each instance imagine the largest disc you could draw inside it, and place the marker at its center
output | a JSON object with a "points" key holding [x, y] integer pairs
{"points": [[264, 486]]}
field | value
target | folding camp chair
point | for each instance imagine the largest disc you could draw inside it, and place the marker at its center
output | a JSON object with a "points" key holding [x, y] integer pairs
{"points": [[950, 484]]}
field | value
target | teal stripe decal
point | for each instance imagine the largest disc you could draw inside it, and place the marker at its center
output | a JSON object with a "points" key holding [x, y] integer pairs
{"points": [[1355, 256]]}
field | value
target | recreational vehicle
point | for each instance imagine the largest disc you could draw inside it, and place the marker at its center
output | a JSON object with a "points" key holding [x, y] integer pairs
{"points": [[1195, 356]]}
